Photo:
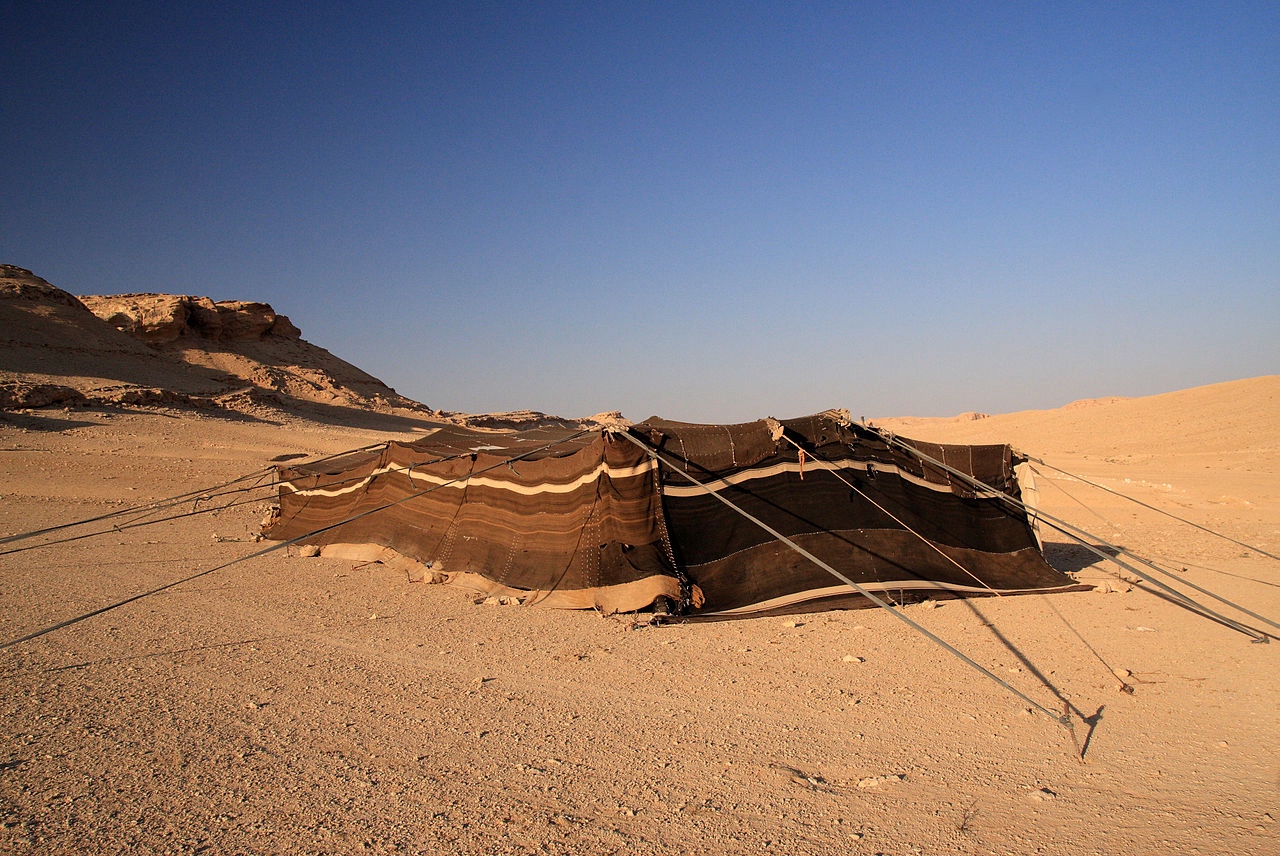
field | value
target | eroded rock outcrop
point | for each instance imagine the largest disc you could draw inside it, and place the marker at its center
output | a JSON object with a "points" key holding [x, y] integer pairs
{"points": [[160, 319], [21, 284], [173, 350], [170, 350]]}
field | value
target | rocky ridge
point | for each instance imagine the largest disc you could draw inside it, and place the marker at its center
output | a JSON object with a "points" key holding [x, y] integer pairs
{"points": [[230, 356], [163, 349], [162, 319]]}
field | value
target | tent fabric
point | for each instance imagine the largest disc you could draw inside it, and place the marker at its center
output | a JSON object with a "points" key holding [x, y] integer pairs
{"points": [[582, 519], [890, 522], [596, 521]]}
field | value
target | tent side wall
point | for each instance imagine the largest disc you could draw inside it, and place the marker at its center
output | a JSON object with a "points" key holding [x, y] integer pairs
{"points": [[883, 518], [583, 529], [592, 521]]}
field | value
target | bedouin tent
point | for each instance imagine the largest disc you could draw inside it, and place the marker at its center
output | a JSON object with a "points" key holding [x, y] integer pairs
{"points": [[621, 518]]}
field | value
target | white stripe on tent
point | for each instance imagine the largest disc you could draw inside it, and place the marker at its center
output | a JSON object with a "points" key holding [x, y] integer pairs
{"points": [[794, 467], [461, 483]]}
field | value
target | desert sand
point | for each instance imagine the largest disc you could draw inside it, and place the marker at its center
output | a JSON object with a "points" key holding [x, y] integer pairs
{"points": [[291, 704]]}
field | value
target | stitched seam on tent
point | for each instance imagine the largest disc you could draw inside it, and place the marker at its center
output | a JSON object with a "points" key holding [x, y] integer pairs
{"points": [[450, 536], [511, 555]]}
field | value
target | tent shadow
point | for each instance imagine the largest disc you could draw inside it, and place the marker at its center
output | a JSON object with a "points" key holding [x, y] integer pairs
{"points": [[279, 405], [1072, 558]]}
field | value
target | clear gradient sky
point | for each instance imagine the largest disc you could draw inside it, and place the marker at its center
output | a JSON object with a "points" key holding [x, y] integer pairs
{"points": [[711, 212]]}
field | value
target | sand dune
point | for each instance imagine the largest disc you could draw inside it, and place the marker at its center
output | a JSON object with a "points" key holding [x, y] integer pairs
{"points": [[1209, 453], [1231, 416], [289, 704]]}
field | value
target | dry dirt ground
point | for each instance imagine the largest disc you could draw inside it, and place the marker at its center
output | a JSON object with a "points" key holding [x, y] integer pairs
{"points": [[283, 704]]}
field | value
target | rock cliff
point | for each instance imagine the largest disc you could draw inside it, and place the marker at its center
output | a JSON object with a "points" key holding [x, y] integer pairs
{"points": [[160, 319]]}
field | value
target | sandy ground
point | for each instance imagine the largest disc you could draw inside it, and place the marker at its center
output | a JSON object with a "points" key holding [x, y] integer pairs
{"points": [[307, 705]]}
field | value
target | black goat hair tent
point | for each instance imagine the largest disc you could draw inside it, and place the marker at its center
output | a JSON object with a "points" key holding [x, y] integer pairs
{"points": [[616, 518]]}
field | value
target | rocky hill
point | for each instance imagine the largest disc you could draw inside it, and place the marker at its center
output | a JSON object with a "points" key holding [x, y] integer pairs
{"points": [[230, 356], [139, 349]]}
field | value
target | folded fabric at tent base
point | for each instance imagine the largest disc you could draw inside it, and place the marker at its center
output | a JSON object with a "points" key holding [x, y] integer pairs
{"points": [[668, 515]]}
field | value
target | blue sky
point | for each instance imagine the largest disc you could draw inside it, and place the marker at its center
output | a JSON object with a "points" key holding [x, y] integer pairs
{"points": [[712, 212]]}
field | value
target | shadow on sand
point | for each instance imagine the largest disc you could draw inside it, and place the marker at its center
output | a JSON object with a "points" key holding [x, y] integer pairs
{"points": [[1072, 558], [273, 409]]}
